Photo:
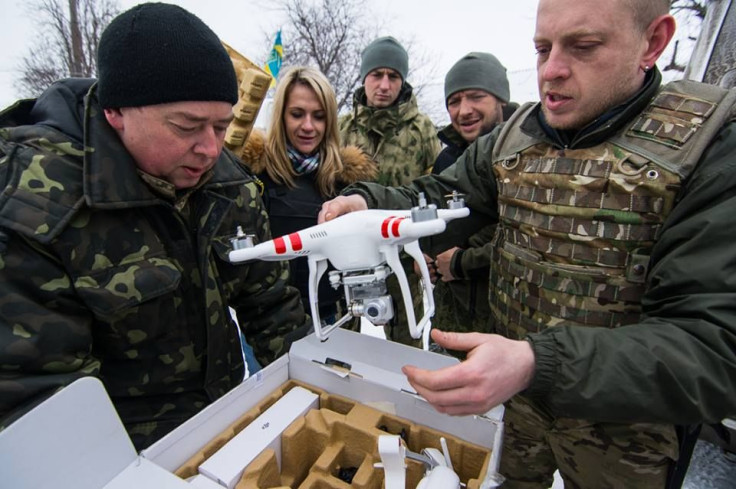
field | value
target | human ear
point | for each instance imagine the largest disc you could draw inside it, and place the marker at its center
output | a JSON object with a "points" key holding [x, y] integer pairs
{"points": [[114, 118], [657, 36]]}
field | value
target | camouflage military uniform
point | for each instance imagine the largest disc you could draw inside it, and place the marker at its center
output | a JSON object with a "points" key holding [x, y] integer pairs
{"points": [[624, 226], [399, 138], [102, 274]]}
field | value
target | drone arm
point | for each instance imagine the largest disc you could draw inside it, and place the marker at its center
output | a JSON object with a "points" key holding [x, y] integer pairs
{"points": [[317, 268], [391, 253], [412, 248]]}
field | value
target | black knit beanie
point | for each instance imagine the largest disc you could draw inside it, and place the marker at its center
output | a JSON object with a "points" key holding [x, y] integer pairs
{"points": [[157, 53], [384, 52], [479, 71]]}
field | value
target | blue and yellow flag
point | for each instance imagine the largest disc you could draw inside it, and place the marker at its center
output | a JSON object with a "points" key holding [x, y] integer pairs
{"points": [[273, 63]]}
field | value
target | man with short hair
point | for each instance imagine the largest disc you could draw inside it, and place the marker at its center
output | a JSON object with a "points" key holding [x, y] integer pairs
{"points": [[116, 218], [612, 274], [385, 121]]}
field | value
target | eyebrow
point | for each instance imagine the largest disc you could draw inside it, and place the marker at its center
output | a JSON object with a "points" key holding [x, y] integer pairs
{"points": [[384, 71], [576, 34], [195, 118]]}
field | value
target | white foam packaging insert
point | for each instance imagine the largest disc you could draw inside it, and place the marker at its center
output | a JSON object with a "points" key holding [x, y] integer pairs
{"points": [[76, 440], [227, 464]]}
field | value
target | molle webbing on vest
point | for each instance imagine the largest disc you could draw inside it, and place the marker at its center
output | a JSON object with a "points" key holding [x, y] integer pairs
{"points": [[581, 251], [679, 124], [577, 225], [671, 120]]}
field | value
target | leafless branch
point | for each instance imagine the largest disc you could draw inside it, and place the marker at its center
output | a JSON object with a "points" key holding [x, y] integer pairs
{"points": [[66, 43]]}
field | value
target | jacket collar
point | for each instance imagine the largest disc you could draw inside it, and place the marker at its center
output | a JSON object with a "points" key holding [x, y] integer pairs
{"points": [[599, 130], [384, 120], [356, 165], [450, 137]]}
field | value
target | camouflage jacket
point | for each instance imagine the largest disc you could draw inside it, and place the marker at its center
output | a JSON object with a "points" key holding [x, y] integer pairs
{"points": [[100, 275], [677, 364], [399, 138]]}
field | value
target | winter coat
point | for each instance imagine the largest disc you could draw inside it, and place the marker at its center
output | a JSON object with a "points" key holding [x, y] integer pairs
{"points": [[102, 275], [294, 209], [399, 138], [454, 147]]}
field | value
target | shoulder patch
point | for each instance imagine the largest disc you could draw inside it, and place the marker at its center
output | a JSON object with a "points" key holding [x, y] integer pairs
{"points": [[672, 119]]}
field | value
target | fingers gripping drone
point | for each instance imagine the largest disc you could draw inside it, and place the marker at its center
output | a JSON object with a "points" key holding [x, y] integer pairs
{"points": [[363, 247]]}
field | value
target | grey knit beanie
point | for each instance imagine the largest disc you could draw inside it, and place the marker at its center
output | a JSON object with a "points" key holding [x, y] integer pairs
{"points": [[384, 52], [157, 53], [480, 71]]}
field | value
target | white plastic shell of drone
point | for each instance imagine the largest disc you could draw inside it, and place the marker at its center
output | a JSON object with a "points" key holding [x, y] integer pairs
{"points": [[358, 241], [439, 473]]}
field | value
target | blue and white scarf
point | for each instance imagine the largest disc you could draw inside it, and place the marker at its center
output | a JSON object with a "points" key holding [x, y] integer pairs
{"points": [[302, 163]]}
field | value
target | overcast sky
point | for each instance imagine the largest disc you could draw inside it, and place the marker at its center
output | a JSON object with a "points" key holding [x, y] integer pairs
{"points": [[444, 31], [504, 28]]}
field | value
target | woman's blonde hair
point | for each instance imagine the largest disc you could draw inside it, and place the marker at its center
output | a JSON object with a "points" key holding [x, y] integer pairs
{"points": [[279, 166]]}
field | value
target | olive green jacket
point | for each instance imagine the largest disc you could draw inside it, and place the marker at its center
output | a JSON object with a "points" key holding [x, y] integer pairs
{"points": [[400, 139], [101, 275], [678, 363]]}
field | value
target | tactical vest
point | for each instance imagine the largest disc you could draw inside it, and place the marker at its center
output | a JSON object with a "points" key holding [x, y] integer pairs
{"points": [[576, 227]]}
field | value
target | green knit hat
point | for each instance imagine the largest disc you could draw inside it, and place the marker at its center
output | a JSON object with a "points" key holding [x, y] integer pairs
{"points": [[479, 71], [384, 52]]}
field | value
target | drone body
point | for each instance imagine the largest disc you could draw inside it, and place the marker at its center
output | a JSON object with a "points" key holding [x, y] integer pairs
{"points": [[359, 245]]}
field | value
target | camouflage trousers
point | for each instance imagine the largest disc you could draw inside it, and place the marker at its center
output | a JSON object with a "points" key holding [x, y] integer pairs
{"points": [[587, 454]]}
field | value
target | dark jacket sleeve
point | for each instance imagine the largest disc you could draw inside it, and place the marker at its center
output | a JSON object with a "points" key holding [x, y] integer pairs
{"points": [[678, 364], [45, 330], [471, 176], [473, 261]]}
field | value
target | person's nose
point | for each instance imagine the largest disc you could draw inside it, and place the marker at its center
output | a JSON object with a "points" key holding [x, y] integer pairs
{"points": [[307, 124], [385, 83], [466, 107], [556, 66], [209, 143]]}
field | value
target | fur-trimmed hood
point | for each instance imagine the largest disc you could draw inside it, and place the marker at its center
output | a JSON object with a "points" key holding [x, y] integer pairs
{"points": [[357, 165]]}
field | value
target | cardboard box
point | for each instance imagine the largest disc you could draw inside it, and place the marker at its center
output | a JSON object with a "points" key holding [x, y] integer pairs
{"points": [[75, 439]]}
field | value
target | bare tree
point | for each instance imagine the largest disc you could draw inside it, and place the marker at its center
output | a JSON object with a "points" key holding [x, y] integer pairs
{"points": [[69, 33], [328, 35]]}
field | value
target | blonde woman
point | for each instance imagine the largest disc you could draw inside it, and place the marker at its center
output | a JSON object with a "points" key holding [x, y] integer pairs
{"points": [[301, 165]]}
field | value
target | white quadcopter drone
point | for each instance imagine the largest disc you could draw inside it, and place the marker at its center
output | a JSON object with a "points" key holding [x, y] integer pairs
{"points": [[363, 247]]}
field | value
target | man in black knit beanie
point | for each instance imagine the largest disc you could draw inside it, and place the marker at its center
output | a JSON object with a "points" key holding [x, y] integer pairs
{"points": [[157, 53], [117, 213]]}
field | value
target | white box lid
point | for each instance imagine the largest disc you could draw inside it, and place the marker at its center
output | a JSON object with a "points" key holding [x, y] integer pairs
{"points": [[73, 439]]}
